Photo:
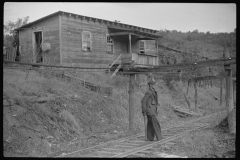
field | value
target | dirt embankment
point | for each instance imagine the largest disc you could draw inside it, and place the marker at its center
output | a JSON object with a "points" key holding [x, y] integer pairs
{"points": [[43, 115]]}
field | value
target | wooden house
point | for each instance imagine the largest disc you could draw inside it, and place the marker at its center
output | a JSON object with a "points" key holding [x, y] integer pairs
{"points": [[83, 41]]}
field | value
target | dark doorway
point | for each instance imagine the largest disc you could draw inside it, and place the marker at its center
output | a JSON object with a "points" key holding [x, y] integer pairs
{"points": [[38, 49]]}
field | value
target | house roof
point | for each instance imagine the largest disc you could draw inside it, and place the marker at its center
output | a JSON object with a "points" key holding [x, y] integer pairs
{"points": [[110, 24]]}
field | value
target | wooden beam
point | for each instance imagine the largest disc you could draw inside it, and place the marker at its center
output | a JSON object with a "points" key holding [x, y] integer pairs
{"points": [[119, 33], [141, 37], [234, 91], [188, 84], [195, 97], [215, 62], [221, 88], [47, 65], [229, 99], [206, 78], [60, 38], [130, 43], [157, 63], [131, 102], [115, 60]]}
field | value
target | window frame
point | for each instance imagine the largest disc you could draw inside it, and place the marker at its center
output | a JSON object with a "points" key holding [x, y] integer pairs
{"points": [[111, 44], [88, 41], [144, 47]]}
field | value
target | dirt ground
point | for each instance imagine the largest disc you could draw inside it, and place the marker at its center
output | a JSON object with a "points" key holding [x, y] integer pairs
{"points": [[44, 116], [213, 142]]}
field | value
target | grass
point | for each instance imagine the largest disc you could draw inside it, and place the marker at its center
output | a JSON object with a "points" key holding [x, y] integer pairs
{"points": [[200, 143], [77, 113]]}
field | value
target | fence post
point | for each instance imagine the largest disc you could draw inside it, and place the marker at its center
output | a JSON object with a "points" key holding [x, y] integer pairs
{"points": [[221, 88], [131, 102], [195, 97], [229, 94]]}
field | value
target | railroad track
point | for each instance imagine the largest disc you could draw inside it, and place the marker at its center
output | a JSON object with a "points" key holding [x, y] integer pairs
{"points": [[136, 146]]}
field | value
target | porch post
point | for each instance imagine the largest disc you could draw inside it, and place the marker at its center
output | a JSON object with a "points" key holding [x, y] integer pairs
{"points": [[157, 52], [130, 51]]}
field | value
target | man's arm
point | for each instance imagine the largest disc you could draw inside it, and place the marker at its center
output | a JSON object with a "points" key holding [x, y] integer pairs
{"points": [[144, 103]]}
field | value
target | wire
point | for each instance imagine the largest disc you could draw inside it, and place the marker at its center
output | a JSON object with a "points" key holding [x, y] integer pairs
{"points": [[158, 76], [46, 65], [47, 69]]}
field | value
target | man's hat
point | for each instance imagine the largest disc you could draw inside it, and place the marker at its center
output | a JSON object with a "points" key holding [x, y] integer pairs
{"points": [[151, 81]]}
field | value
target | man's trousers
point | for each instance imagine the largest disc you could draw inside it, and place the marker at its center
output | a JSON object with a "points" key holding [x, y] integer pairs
{"points": [[153, 128]]}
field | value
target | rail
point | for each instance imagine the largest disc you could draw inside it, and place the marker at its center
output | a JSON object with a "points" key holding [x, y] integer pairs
{"points": [[133, 145]]}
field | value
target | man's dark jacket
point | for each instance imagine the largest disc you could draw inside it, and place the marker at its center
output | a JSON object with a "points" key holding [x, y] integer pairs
{"points": [[149, 103]]}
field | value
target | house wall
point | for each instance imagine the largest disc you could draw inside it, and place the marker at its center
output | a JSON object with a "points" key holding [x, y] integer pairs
{"points": [[72, 53], [66, 42], [50, 28]]}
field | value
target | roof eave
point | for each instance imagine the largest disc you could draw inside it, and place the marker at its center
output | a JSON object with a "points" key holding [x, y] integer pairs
{"points": [[108, 22]]}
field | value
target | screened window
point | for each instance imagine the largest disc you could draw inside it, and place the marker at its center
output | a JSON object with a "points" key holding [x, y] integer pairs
{"points": [[142, 46], [109, 44], [86, 41]]}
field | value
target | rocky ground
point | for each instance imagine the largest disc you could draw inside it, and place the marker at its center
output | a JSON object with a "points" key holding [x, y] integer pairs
{"points": [[214, 142]]}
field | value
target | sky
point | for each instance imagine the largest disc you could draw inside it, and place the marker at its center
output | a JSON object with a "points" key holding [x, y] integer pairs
{"points": [[184, 17]]}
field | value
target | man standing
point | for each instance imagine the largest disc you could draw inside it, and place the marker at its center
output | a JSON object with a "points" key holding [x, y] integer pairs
{"points": [[149, 110]]}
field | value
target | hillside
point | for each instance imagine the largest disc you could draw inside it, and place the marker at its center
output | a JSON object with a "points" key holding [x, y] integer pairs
{"points": [[196, 46], [44, 113]]}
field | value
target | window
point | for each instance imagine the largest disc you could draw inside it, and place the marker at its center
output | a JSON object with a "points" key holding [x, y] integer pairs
{"points": [[142, 46], [86, 41], [109, 44]]}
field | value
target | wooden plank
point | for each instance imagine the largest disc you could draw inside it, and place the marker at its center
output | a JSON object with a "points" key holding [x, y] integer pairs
{"points": [[95, 56], [119, 57], [115, 72], [124, 147], [129, 144], [215, 62], [106, 152], [179, 109]]}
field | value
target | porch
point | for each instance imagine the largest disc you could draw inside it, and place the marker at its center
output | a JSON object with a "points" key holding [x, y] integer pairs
{"points": [[132, 48]]}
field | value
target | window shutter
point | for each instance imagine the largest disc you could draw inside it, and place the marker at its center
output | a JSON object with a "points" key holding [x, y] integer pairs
{"points": [[90, 41], [83, 40]]}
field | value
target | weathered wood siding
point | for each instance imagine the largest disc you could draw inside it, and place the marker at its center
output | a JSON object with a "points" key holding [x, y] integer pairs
{"points": [[72, 53], [144, 59], [151, 47], [25, 41], [67, 30], [50, 31]]}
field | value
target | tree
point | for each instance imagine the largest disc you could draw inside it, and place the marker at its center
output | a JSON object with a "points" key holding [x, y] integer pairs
{"points": [[9, 34], [11, 39], [10, 26]]}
